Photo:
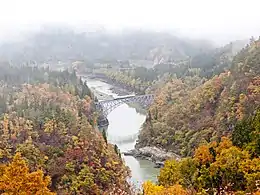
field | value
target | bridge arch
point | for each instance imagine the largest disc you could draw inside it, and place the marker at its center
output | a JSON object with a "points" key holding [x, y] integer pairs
{"points": [[108, 106]]}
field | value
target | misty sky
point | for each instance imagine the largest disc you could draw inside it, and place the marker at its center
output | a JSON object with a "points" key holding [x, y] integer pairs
{"points": [[198, 18]]}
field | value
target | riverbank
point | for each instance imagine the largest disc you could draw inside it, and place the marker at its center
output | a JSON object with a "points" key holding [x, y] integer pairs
{"points": [[154, 154], [100, 95], [119, 88], [124, 126]]}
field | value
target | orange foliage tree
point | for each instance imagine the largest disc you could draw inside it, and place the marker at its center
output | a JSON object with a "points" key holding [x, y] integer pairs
{"points": [[203, 155], [15, 178]]}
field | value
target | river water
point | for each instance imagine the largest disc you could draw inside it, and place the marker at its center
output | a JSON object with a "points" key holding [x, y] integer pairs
{"points": [[125, 122]]}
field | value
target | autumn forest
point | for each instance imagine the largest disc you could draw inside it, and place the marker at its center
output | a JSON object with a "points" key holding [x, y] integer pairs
{"points": [[206, 111], [214, 125], [49, 143]]}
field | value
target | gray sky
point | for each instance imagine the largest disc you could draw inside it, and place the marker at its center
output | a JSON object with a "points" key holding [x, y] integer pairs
{"points": [[198, 18]]}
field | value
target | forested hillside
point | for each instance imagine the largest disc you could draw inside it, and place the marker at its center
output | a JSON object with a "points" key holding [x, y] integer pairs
{"points": [[184, 116], [206, 64], [216, 168], [48, 140], [215, 126], [216, 61]]}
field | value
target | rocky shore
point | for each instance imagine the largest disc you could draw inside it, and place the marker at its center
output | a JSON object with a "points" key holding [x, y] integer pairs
{"points": [[154, 154]]}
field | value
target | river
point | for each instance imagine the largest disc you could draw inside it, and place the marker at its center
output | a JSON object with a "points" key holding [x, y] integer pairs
{"points": [[125, 122]]}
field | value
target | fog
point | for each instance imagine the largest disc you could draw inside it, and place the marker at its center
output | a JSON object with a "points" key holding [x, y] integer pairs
{"points": [[219, 21]]}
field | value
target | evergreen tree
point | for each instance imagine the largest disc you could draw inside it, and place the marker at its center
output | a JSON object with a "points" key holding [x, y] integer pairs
{"points": [[104, 134]]}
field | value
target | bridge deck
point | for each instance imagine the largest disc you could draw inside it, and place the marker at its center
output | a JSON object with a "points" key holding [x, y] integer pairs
{"points": [[106, 106]]}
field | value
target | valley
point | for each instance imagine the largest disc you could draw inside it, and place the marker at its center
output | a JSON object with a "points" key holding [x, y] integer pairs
{"points": [[126, 122], [95, 113]]}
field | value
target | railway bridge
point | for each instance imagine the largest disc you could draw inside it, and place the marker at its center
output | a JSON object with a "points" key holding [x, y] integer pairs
{"points": [[106, 106]]}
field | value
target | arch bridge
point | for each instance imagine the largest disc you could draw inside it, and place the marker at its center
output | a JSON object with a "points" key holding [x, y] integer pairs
{"points": [[107, 106]]}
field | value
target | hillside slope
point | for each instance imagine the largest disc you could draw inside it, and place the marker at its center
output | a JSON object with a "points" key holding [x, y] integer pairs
{"points": [[51, 123], [184, 116]]}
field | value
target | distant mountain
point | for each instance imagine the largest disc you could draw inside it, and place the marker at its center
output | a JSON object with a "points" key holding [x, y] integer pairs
{"points": [[215, 61], [206, 63], [64, 44]]}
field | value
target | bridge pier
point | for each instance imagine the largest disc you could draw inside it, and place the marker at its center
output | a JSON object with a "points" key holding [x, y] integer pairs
{"points": [[102, 121]]}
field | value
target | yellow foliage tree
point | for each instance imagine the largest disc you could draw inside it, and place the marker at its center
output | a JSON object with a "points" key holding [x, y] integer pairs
{"points": [[225, 143], [170, 174], [15, 179], [49, 126], [152, 189], [251, 169], [174, 190]]}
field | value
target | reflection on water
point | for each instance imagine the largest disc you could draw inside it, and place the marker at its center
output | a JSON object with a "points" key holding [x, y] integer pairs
{"points": [[124, 121], [141, 170]]}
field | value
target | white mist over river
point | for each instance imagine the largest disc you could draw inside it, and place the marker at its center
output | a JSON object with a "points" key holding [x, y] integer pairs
{"points": [[124, 121]]}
